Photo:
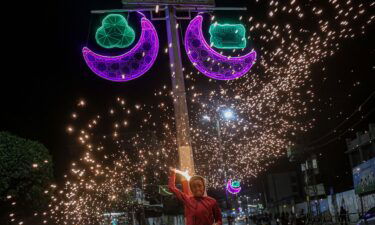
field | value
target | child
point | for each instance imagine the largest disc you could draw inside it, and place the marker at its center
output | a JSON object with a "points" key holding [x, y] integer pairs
{"points": [[199, 208]]}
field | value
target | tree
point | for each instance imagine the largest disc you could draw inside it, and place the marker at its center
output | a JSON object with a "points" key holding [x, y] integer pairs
{"points": [[25, 171]]}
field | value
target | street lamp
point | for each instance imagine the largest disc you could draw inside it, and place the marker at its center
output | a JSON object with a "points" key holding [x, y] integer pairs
{"points": [[227, 114]]}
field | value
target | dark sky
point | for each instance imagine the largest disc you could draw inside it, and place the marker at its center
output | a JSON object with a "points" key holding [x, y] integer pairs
{"points": [[44, 74]]}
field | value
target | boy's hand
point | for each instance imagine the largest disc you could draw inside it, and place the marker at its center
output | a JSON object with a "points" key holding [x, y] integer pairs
{"points": [[172, 171]]}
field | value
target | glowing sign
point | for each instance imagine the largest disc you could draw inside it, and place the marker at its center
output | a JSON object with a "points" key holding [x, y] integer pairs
{"points": [[228, 36], [235, 184], [115, 32]]}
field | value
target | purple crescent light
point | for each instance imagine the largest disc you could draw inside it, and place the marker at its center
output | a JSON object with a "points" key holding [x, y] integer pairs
{"points": [[232, 189], [129, 65], [208, 61]]}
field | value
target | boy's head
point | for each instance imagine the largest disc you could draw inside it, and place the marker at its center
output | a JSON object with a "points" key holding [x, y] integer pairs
{"points": [[197, 186]]}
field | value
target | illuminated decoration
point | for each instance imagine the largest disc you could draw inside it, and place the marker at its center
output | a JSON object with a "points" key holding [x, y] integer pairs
{"points": [[228, 36], [131, 64], [235, 184], [208, 61], [114, 221], [233, 187], [115, 32], [269, 117], [164, 190]]}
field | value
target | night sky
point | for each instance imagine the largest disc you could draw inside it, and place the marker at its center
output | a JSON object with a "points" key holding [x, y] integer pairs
{"points": [[44, 75]]}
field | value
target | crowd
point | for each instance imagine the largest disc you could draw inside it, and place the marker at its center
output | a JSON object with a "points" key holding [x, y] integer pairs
{"points": [[286, 218], [283, 218]]}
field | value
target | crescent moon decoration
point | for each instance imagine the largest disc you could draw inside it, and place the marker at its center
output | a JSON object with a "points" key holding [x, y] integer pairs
{"points": [[131, 64], [233, 189], [208, 61]]}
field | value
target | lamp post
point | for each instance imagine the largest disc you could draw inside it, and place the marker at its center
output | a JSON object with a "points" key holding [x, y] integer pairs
{"points": [[227, 114], [247, 206]]}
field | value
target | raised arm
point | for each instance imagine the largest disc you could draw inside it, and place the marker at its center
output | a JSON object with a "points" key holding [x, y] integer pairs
{"points": [[172, 187]]}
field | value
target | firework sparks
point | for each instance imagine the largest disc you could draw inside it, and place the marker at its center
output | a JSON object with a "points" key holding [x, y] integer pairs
{"points": [[128, 145]]}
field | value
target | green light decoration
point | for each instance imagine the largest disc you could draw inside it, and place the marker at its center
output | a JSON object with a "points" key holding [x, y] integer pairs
{"points": [[228, 36], [164, 190], [115, 32], [236, 184]]}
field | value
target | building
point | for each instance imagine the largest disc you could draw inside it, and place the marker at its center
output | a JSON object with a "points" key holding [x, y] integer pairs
{"points": [[361, 153], [361, 148], [283, 191]]}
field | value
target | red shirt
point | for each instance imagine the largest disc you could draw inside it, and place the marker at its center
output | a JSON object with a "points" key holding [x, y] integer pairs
{"points": [[198, 210]]}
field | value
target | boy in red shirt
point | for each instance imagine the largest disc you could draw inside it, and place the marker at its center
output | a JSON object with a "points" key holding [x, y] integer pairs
{"points": [[199, 208]]}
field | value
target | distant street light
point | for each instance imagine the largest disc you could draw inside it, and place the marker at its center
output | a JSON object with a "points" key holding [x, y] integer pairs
{"points": [[228, 114]]}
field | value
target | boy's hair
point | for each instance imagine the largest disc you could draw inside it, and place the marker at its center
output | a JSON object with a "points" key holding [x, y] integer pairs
{"points": [[197, 177]]}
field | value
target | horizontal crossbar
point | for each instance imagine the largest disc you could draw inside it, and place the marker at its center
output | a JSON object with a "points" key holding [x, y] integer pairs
{"points": [[183, 8]]}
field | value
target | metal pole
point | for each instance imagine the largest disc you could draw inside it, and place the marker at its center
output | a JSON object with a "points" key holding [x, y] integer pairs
{"points": [[265, 195], [317, 205], [225, 169], [307, 189], [185, 152], [133, 216], [276, 195], [247, 206], [362, 211], [220, 145]]}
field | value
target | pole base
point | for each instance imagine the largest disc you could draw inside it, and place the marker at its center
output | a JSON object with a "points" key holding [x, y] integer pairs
{"points": [[186, 159]]}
